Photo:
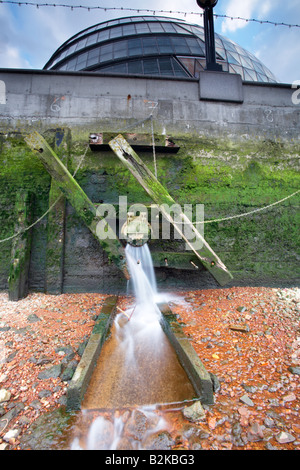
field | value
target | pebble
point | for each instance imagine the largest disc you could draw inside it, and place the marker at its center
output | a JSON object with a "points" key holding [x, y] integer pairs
{"points": [[284, 437], [289, 397], [249, 388], [4, 395], [245, 399], [11, 434], [44, 393], [160, 441], [241, 309], [237, 435], [244, 411], [255, 432], [195, 412], [269, 423], [244, 328]]}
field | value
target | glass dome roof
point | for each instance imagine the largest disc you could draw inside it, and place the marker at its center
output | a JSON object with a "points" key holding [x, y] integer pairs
{"points": [[152, 45]]}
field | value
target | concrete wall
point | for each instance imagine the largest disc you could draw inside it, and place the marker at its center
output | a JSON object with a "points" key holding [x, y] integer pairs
{"points": [[219, 106], [239, 150]]}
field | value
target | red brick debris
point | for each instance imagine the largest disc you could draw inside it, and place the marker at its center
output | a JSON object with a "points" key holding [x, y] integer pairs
{"points": [[248, 337]]}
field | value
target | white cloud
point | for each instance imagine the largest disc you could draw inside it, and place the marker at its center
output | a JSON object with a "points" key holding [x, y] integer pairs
{"points": [[29, 36], [11, 58], [280, 54], [10, 52], [244, 9]]}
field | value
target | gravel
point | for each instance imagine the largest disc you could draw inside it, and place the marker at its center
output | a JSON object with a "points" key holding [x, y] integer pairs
{"points": [[256, 364]]}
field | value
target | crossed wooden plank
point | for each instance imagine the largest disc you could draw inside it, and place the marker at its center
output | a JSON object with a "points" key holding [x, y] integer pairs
{"points": [[161, 197], [83, 206], [87, 210]]}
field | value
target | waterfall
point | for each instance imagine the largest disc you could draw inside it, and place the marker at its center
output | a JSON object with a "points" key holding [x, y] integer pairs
{"points": [[142, 272], [144, 326], [140, 369], [137, 339]]}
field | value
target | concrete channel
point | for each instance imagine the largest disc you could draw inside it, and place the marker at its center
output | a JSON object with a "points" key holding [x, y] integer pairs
{"points": [[200, 379]]}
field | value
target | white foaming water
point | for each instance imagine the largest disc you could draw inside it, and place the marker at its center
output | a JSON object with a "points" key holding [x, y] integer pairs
{"points": [[103, 435], [107, 433], [141, 331], [144, 326], [141, 271]]}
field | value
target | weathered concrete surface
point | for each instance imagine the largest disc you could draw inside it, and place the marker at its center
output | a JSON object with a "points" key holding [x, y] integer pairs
{"points": [[80, 99], [234, 157], [84, 370], [198, 375]]}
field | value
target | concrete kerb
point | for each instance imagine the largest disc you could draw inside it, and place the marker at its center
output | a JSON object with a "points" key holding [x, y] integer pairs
{"points": [[85, 368], [200, 378]]}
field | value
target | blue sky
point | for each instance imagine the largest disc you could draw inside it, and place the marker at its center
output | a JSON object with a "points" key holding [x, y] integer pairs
{"points": [[29, 35]]}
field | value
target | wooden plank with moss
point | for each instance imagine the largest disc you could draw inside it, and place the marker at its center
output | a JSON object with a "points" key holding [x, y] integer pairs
{"points": [[56, 220], [83, 206], [162, 198], [55, 240], [21, 247]]}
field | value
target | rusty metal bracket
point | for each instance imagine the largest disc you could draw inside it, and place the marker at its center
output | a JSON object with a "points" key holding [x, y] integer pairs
{"points": [[99, 141]]}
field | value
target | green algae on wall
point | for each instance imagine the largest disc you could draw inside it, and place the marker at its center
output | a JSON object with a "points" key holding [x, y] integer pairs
{"points": [[229, 178], [260, 247], [19, 170], [21, 247]]}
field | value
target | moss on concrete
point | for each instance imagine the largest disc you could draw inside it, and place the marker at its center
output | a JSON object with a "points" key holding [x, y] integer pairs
{"points": [[228, 177], [19, 170]]}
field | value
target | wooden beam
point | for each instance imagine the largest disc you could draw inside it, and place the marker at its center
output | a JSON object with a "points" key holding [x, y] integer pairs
{"points": [[79, 200], [161, 197], [55, 240], [56, 221]]}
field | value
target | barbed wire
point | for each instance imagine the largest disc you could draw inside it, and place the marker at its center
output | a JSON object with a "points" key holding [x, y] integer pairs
{"points": [[145, 10]]}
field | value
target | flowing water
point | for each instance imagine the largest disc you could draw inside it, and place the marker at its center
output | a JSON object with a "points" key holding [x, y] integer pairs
{"points": [[137, 368], [142, 273]]}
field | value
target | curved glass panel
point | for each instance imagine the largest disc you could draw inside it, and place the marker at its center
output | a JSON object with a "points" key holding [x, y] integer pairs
{"points": [[160, 39], [165, 66]]}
